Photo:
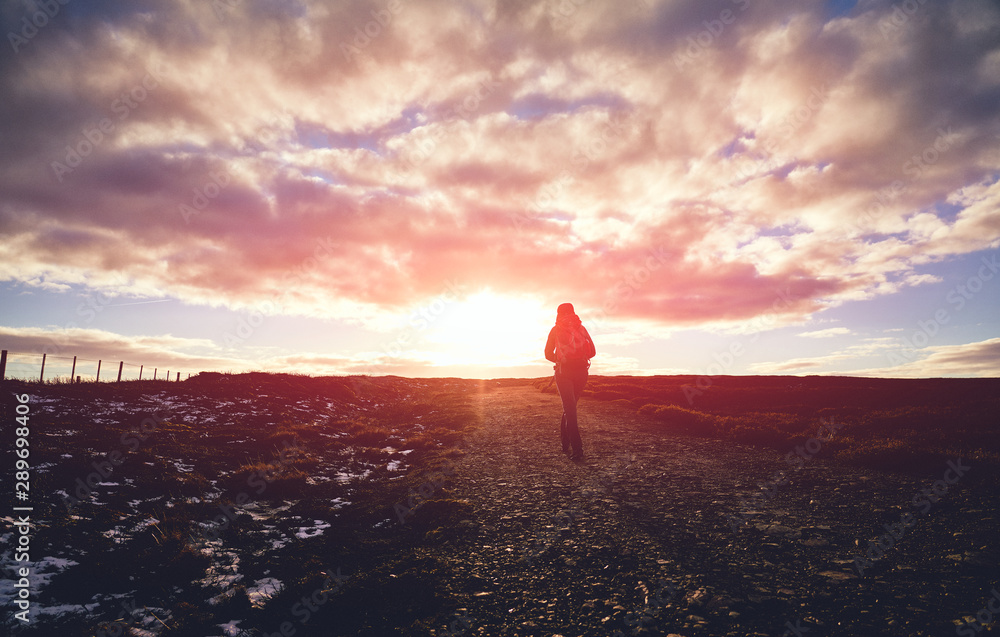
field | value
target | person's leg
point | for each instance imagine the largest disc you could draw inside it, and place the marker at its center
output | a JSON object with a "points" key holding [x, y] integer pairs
{"points": [[579, 381], [563, 434], [567, 391]]}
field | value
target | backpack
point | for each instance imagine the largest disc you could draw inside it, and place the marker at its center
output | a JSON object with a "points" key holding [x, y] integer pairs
{"points": [[573, 344]]}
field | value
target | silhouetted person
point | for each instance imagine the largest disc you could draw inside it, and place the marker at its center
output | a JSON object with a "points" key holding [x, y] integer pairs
{"points": [[570, 347]]}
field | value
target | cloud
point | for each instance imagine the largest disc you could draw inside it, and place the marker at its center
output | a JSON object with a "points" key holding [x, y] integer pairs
{"points": [[183, 355], [828, 333], [979, 359], [89, 346], [350, 167], [796, 365], [799, 365]]}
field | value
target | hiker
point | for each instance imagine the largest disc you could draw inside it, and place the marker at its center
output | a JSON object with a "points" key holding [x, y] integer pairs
{"points": [[570, 347]]}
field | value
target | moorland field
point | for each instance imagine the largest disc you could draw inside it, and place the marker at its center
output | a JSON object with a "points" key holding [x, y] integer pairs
{"points": [[265, 504]]}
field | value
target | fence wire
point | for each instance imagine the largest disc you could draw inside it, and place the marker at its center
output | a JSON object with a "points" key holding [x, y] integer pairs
{"points": [[58, 369]]}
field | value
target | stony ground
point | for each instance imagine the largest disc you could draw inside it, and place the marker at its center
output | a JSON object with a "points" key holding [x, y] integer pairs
{"points": [[654, 533], [636, 539]]}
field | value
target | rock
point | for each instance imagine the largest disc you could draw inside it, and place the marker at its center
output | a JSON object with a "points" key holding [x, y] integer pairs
{"points": [[814, 542], [837, 575], [697, 598], [718, 603], [467, 526]]}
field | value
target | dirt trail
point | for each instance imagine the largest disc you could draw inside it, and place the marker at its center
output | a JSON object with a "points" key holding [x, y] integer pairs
{"points": [[636, 538]]}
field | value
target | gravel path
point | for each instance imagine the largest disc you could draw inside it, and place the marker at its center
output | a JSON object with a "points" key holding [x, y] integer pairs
{"points": [[636, 539]]}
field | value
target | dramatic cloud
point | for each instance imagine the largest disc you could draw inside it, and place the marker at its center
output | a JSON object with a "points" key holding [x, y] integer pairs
{"points": [[666, 164]]}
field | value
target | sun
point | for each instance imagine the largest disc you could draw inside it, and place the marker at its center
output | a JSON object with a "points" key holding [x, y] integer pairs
{"points": [[490, 329]]}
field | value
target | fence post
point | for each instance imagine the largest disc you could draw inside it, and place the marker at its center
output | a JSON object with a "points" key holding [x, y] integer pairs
{"points": [[72, 372], [140, 372], [41, 376], [98, 379], [154, 373], [178, 377], [3, 364]]}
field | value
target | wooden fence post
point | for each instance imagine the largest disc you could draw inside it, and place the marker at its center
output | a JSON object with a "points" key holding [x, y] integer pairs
{"points": [[178, 377], [72, 372], [41, 376], [3, 364], [121, 364], [140, 372], [98, 379], [154, 373]]}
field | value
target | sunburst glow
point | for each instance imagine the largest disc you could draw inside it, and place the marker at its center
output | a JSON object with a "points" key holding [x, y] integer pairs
{"points": [[490, 329]]}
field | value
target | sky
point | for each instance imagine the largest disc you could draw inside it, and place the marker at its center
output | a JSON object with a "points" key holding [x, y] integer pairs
{"points": [[411, 187]]}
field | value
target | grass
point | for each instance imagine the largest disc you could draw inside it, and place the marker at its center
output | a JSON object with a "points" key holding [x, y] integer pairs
{"points": [[890, 424]]}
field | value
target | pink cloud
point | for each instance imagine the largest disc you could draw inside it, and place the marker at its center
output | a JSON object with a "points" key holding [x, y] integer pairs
{"points": [[505, 148]]}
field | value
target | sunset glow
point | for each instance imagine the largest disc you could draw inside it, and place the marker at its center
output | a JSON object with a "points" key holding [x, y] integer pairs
{"points": [[488, 330], [280, 186]]}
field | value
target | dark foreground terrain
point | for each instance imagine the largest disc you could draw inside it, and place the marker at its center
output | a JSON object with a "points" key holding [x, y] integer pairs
{"points": [[286, 505]]}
